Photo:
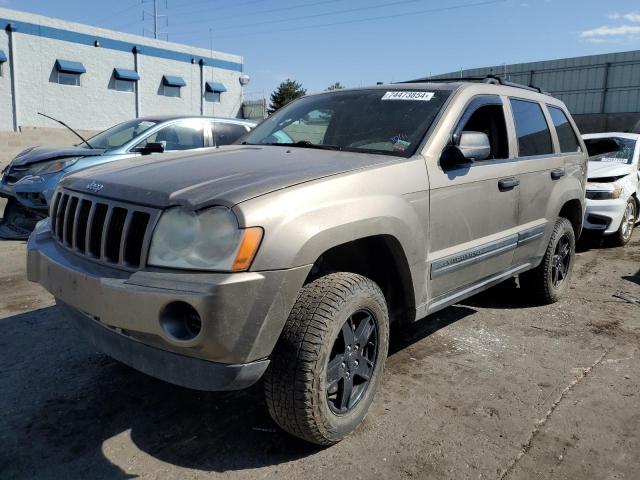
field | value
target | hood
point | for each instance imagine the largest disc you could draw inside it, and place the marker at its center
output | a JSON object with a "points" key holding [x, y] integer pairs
{"points": [[40, 154], [223, 176], [608, 169]]}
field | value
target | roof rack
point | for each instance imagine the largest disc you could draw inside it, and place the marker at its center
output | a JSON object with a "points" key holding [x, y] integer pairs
{"points": [[492, 79]]}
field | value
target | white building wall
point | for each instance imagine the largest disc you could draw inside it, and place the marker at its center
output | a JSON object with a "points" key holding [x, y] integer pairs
{"points": [[152, 102], [95, 104], [92, 104], [6, 104]]}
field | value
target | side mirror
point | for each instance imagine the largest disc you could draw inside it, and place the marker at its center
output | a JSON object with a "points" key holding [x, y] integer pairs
{"points": [[152, 147], [474, 146]]}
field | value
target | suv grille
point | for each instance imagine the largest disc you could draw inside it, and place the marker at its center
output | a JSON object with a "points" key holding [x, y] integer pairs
{"points": [[110, 232]]}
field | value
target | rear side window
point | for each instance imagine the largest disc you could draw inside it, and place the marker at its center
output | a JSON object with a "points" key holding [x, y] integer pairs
{"points": [[226, 133], [566, 135], [533, 133]]}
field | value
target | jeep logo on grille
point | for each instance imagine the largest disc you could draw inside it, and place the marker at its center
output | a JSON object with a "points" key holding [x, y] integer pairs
{"points": [[95, 186]]}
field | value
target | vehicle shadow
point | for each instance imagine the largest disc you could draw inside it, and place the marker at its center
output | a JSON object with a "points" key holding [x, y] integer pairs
{"points": [[633, 278], [63, 404], [505, 295]]}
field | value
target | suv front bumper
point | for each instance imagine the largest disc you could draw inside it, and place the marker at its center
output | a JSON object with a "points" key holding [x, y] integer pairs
{"points": [[242, 314]]}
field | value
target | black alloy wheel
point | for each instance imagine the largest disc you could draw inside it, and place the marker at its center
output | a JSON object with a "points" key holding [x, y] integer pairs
{"points": [[561, 261], [352, 361]]}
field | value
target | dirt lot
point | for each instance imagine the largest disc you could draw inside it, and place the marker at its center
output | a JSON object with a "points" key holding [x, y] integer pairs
{"points": [[492, 388]]}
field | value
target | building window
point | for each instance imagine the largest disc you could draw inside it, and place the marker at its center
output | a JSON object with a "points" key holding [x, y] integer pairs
{"points": [[171, 85], [65, 78], [68, 72], [125, 80], [170, 91], [212, 97], [125, 85], [3, 58], [213, 91]]}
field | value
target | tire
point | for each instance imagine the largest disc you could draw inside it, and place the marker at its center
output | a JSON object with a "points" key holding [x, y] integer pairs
{"points": [[301, 398], [623, 235], [546, 283]]}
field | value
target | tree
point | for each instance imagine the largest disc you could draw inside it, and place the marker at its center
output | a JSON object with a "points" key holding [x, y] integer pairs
{"points": [[286, 92], [335, 86]]}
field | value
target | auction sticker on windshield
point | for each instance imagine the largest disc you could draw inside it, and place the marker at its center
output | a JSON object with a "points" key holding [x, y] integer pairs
{"points": [[409, 96]]}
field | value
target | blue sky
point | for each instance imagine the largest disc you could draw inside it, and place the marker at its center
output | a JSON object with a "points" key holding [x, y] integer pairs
{"points": [[356, 42]]}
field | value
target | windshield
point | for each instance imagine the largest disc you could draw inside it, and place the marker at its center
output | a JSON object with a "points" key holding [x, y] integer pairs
{"points": [[121, 134], [610, 149], [372, 121]]}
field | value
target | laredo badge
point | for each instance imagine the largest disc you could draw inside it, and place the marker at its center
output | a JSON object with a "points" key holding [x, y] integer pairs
{"points": [[409, 96]]}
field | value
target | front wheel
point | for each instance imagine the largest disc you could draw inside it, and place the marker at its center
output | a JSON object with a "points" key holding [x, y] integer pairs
{"points": [[629, 217], [329, 360], [547, 282]]}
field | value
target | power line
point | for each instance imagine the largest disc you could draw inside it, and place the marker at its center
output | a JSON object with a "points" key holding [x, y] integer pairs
{"points": [[182, 11], [272, 10], [362, 20], [119, 12], [316, 15]]}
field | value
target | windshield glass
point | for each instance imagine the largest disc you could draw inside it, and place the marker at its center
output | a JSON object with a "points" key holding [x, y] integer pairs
{"points": [[116, 137], [372, 121], [610, 149]]}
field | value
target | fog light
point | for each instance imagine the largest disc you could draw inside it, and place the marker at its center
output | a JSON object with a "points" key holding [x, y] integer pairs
{"points": [[180, 321]]}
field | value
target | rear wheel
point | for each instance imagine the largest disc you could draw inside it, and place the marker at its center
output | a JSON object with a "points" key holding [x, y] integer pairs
{"points": [[329, 360], [548, 281], [623, 235]]}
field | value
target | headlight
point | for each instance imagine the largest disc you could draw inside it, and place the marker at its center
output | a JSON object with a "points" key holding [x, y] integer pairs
{"points": [[603, 191], [56, 166], [207, 240]]}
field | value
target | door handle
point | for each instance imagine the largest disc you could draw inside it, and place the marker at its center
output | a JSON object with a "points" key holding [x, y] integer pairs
{"points": [[508, 183], [557, 173]]}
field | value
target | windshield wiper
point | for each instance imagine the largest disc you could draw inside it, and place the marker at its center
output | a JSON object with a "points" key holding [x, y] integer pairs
{"points": [[65, 125], [307, 144]]}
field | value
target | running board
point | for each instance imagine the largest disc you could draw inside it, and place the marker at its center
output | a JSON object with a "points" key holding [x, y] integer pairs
{"points": [[448, 299]]}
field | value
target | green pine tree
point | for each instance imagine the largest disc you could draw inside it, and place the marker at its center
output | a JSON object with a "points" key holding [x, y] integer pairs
{"points": [[286, 92], [335, 86]]}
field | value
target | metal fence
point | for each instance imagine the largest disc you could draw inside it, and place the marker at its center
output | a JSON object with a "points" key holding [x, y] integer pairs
{"points": [[602, 84]]}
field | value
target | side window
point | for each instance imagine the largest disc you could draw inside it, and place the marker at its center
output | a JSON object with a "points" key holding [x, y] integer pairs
{"points": [[179, 136], [226, 133], [566, 135], [533, 133], [488, 119]]}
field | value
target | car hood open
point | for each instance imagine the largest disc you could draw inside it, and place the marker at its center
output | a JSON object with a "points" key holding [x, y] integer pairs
{"points": [[41, 154], [223, 176], [608, 169]]}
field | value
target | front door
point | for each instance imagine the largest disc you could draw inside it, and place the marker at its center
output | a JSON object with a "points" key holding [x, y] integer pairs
{"points": [[474, 207]]}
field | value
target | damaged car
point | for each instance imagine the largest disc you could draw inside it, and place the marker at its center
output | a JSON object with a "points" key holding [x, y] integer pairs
{"points": [[286, 257], [614, 184], [28, 182]]}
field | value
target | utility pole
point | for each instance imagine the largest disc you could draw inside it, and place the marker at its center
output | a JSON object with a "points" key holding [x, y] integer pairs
{"points": [[155, 19], [155, 16]]}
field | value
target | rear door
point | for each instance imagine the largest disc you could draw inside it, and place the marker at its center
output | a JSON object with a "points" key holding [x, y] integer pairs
{"points": [[541, 157], [473, 207]]}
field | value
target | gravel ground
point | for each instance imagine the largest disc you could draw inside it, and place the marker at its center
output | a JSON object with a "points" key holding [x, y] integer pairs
{"points": [[492, 388]]}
